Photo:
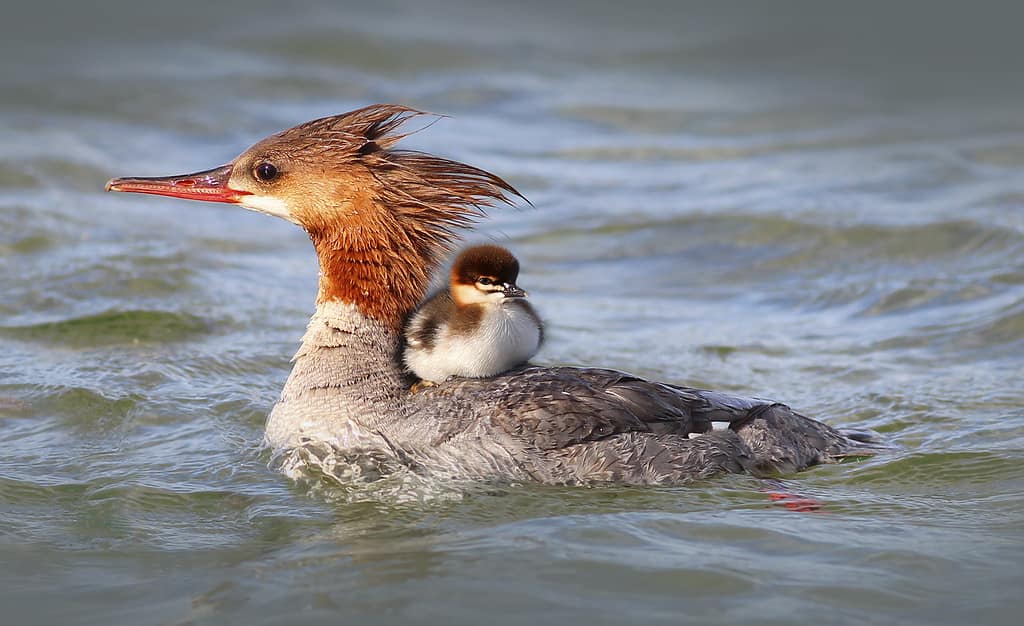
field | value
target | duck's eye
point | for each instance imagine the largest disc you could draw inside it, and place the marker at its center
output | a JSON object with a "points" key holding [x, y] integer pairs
{"points": [[483, 280], [265, 172]]}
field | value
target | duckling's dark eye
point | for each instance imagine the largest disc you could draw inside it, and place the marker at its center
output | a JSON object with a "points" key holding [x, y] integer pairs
{"points": [[265, 172], [483, 280]]}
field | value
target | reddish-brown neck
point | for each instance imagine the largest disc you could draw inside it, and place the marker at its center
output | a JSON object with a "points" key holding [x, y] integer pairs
{"points": [[374, 265]]}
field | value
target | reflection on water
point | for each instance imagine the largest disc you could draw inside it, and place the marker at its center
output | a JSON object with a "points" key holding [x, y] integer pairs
{"points": [[817, 204]]}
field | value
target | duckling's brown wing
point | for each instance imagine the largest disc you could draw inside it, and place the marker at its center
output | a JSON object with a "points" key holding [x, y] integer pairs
{"points": [[421, 328]]}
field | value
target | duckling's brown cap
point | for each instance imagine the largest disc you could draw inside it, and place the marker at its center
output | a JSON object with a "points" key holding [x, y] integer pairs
{"points": [[485, 260]]}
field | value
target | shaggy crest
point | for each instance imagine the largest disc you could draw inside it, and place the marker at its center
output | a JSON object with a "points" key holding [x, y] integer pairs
{"points": [[412, 206], [433, 195]]}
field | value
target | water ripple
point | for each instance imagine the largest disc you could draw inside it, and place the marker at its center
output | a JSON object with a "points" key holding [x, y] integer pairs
{"points": [[715, 206], [111, 327]]}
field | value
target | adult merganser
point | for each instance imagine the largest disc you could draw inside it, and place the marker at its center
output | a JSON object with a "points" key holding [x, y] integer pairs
{"points": [[479, 326], [380, 219]]}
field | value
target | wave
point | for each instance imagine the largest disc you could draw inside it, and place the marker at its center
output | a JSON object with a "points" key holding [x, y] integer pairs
{"points": [[111, 327]]}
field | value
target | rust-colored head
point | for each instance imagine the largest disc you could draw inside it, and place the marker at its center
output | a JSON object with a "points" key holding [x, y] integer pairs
{"points": [[380, 218], [485, 274]]}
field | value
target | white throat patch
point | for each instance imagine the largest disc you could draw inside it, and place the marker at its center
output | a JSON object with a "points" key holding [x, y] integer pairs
{"points": [[268, 205]]}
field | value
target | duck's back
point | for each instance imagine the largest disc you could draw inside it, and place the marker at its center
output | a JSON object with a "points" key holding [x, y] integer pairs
{"points": [[586, 425]]}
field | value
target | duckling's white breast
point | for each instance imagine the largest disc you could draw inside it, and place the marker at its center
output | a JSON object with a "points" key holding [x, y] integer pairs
{"points": [[506, 337]]}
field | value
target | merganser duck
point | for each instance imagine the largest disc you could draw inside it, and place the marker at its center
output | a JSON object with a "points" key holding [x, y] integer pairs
{"points": [[380, 219], [479, 326]]}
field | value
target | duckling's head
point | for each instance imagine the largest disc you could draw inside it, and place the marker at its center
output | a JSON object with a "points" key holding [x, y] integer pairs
{"points": [[485, 274]]}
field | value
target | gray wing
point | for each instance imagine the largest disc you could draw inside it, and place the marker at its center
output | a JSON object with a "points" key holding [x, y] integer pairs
{"points": [[558, 407], [586, 424]]}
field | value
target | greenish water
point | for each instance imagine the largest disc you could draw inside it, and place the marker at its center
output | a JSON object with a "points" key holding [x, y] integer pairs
{"points": [[823, 206]]}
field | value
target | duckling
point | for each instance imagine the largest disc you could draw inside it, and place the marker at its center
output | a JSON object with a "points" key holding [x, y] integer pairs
{"points": [[479, 326]]}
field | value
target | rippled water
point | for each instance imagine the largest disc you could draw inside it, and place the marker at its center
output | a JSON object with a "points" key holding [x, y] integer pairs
{"points": [[821, 206]]}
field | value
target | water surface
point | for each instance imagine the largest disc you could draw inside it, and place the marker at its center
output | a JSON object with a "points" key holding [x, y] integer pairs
{"points": [[822, 206]]}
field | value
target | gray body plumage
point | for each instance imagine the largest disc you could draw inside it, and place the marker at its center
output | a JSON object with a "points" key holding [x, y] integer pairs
{"points": [[347, 394]]}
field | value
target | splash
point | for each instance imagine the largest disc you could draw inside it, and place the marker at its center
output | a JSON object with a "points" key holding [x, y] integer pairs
{"points": [[362, 475]]}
